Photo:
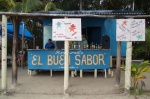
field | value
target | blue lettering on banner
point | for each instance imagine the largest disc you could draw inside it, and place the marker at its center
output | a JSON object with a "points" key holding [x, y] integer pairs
{"points": [[79, 59]]}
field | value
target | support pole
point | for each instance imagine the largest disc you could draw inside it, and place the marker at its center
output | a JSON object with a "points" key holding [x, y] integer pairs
{"points": [[81, 73], [105, 73], [95, 73], [118, 73], [128, 63], [128, 67], [23, 45], [66, 67], [51, 73], [4, 53], [16, 23], [33, 42]]}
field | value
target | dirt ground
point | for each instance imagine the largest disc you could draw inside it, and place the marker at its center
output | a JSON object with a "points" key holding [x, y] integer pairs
{"points": [[42, 86]]}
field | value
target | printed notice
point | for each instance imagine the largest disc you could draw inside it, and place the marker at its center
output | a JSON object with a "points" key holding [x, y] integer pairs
{"points": [[130, 30], [66, 29]]}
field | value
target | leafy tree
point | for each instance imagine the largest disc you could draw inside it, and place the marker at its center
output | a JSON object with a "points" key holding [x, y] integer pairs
{"points": [[143, 5], [141, 49], [6, 4], [24, 6]]}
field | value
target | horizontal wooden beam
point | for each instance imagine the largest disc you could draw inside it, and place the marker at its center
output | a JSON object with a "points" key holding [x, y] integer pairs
{"points": [[73, 15]]}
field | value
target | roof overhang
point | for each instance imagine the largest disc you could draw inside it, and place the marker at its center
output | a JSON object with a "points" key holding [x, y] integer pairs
{"points": [[80, 14]]}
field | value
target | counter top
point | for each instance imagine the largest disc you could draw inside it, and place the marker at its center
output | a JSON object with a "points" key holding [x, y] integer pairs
{"points": [[69, 49]]}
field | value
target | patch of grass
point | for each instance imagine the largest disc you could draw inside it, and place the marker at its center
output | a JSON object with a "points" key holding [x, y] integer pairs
{"points": [[136, 91]]}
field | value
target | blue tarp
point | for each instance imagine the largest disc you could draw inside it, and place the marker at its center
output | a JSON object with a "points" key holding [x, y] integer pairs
{"points": [[10, 31]]}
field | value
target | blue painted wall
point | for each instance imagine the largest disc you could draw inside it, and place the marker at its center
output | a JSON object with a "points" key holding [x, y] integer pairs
{"points": [[105, 26], [108, 27], [47, 31]]}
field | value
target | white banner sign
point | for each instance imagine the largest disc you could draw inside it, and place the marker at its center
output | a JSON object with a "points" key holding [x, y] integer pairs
{"points": [[66, 29], [130, 30]]}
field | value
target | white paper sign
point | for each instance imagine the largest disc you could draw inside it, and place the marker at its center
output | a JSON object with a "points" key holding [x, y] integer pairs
{"points": [[123, 30], [66, 29], [138, 30], [130, 30]]}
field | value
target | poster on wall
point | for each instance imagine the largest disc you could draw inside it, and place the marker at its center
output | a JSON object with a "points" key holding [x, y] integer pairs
{"points": [[130, 30], [66, 29]]}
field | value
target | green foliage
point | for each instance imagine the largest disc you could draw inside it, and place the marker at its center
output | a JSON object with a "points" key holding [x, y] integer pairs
{"points": [[137, 71], [26, 6], [6, 4], [50, 6], [141, 49]]}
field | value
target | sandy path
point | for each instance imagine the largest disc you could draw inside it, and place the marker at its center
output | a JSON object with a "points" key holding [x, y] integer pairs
{"points": [[42, 86]]}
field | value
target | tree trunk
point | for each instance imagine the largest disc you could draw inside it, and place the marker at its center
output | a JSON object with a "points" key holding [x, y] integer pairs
{"points": [[118, 72], [80, 4], [15, 22]]}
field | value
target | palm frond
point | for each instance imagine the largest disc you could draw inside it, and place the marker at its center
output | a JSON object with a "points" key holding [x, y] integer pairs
{"points": [[143, 64], [50, 6]]}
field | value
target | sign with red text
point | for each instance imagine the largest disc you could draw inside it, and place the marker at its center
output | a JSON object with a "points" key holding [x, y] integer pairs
{"points": [[66, 29], [130, 30]]}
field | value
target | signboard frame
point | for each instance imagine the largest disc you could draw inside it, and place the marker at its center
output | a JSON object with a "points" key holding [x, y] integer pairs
{"points": [[68, 29], [130, 29]]}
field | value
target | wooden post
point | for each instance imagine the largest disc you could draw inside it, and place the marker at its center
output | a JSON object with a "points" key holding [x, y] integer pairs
{"points": [[105, 73], [128, 67], [95, 73], [118, 73], [72, 73], [66, 67], [23, 45], [33, 42], [81, 73], [16, 22], [128, 63], [51, 73], [111, 65], [4, 53]]}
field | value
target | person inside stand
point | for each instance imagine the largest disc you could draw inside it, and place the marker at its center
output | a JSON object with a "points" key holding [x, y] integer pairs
{"points": [[49, 45], [84, 42], [19, 58], [70, 45]]}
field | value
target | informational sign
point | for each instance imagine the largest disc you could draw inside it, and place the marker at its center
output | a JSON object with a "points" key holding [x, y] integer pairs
{"points": [[130, 30], [79, 59], [66, 29]]}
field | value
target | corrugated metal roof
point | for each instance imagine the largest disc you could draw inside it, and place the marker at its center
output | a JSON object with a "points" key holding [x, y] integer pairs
{"points": [[95, 12]]}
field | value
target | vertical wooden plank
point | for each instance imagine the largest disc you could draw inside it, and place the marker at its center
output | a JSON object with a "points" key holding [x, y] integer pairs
{"points": [[118, 73], [110, 61], [72, 73], [22, 45], [105, 73], [33, 42], [81, 73], [16, 23], [95, 73], [4, 53], [51, 73]]}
